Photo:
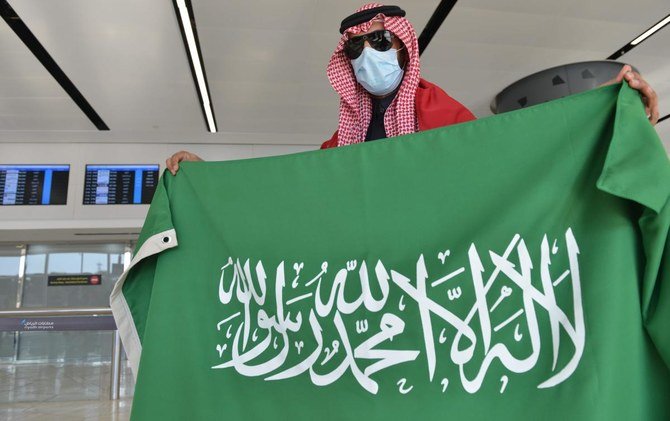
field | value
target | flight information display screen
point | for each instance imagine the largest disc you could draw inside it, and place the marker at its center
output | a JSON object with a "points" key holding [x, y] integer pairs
{"points": [[34, 184], [120, 184]]}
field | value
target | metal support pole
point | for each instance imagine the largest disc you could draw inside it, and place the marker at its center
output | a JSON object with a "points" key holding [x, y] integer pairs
{"points": [[115, 375], [19, 296]]}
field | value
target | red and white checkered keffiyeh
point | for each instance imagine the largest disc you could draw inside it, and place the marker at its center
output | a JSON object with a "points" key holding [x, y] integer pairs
{"points": [[355, 102]]}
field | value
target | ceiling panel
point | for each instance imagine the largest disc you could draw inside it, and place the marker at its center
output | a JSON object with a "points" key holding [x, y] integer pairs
{"points": [[126, 58], [30, 99], [624, 11]]}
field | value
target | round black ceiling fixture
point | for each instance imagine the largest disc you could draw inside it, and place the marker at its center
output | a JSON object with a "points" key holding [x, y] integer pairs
{"points": [[555, 83]]}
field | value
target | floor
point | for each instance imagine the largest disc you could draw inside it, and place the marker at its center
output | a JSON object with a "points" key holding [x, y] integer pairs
{"points": [[71, 411], [64, 391]]}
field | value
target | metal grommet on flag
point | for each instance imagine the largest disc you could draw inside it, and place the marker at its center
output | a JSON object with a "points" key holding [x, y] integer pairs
{"points": [[166, 239]]}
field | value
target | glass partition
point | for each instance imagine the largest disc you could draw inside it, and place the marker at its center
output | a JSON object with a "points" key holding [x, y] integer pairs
{"points": [[71, 365], [10, 262], [43, 261]]}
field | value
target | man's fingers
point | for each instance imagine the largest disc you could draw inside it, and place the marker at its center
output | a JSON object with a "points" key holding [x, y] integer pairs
{"points": [[637, 82], [649, 97], [622, 73], [648, 92], [655, 115], [620, 76], [172, 163]]}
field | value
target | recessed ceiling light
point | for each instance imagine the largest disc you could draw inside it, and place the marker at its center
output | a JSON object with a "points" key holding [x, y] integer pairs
{"points": [[649, 32], [646, 34], [196, 63]]}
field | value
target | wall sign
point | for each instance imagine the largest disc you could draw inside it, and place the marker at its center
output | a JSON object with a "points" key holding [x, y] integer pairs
{"points": [[65, 280]]}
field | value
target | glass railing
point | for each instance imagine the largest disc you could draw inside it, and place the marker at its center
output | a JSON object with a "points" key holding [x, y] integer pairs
{"points": [[58, 341], [59, 370]]}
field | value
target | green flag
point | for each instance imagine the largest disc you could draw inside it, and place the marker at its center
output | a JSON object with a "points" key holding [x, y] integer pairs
{"points": [[515, 267]]}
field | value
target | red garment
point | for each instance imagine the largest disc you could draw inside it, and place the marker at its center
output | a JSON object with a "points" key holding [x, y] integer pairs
{"points": [[434, 108]]}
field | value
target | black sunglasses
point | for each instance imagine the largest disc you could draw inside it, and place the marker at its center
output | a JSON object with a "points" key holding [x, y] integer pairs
{"points": [[381, 40]]}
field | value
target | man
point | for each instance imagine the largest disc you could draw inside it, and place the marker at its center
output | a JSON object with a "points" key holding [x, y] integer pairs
{"points": [[375, 70]]}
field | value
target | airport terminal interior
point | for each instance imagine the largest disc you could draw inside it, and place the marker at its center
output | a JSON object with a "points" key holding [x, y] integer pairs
{"points": [[96, 95]]}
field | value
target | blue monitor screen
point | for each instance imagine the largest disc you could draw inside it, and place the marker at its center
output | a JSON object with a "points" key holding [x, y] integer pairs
{"points": [[34, 184], [120, 184]]}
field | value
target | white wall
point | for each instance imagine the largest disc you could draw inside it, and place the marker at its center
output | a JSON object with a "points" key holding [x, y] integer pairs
{"points": [[54, 223]]}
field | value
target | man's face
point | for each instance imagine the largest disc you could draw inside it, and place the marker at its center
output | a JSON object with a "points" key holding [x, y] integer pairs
{"points": [[397, 44]]}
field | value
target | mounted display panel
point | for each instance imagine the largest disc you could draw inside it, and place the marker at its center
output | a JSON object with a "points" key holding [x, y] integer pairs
{"points": [[120, 184], [34, 184]]}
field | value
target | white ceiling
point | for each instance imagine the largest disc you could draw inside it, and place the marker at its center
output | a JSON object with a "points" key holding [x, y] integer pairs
{"points": [[265, 62], [27, 91], [127, 59]]}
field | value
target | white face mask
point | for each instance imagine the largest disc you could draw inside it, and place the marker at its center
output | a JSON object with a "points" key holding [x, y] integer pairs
{"points": [[378, 71]]}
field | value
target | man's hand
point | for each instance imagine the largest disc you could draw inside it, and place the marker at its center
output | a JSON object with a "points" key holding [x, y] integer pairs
{"points": [[172, 163], [635, 81]]}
